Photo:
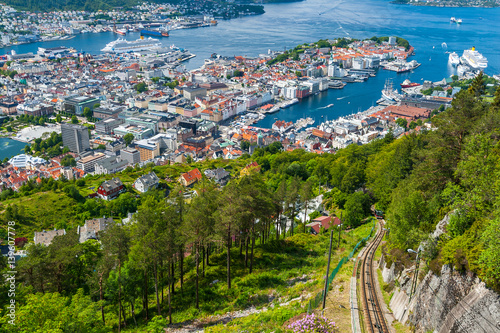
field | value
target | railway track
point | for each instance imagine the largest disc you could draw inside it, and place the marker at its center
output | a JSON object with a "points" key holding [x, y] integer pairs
{"points": [[372, 311]]}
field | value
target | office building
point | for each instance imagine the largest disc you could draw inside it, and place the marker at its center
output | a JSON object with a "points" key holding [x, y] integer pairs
{"points": [[75, 137]]}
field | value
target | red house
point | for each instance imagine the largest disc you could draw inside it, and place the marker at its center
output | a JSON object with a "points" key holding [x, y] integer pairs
{"points": [[323, 221], [110, 189]]}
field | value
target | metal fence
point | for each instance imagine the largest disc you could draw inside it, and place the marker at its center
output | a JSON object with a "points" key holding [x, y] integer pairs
{"points": [[318, 299]]}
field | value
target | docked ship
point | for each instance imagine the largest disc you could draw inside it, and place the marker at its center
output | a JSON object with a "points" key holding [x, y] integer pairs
{"points": [[155, 33], [336, 84], [123, 46], [474, 59], [122, 32], [399, 66], [289, 103], [454, 59], [407, 84], [389, 93]]}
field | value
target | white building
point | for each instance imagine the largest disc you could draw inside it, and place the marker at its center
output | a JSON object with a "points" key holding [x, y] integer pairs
{"points": [[146, 182]]}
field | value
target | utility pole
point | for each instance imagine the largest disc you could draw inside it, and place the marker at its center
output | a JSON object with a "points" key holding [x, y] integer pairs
{"points": [[328, 269], [340, 229]]}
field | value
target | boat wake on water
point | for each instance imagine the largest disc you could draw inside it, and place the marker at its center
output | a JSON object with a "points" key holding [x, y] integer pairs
{"points": [[325, 107], [339, 98]]}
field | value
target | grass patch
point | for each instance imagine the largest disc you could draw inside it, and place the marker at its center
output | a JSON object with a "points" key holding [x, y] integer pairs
{"points": [[385, 287], [400, 328]]}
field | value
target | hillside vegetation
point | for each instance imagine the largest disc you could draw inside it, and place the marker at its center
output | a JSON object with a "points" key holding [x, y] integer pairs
{"points": [[224, 249]]}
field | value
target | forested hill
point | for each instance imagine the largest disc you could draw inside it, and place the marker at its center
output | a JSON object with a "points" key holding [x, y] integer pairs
{"points": [[95, 5], [54, 5], [238, 257]]}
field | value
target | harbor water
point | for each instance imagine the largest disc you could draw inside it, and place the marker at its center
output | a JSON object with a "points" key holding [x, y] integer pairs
{"points": [[286, 25], [9, 148]]}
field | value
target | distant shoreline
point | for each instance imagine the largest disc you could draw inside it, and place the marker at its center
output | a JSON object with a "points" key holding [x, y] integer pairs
{"points": [[432, 4]]}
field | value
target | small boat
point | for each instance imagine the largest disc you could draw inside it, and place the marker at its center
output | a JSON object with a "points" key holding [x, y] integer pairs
{"points": [[459, 21], [453, 19], [122, 32]]}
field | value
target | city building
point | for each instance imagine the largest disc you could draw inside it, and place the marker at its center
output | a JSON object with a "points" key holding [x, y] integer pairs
{"points": [[88, 163], [108, 112], [106, 126], [131, 155], [75, 137], [110, 165], [77, 104], [8, 107]]}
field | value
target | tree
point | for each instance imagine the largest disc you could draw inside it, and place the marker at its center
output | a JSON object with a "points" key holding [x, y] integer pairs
{"points": [[199, 225], [87, 112], [490, 257], [228, 214], [27, 149], [291, 201], [58, 118], [306, 194], [357, 207], [141, 87], [115, 243], [68, 160], [74, 120], [402, 122], [128, 138], [245, 145], [478, 86]]}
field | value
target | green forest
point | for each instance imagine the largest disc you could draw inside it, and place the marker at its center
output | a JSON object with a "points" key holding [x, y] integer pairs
{"points": [[224, 249]]}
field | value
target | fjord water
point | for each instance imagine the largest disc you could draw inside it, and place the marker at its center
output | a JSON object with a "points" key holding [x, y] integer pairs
{"points": [[9, 148], [286, 25]]}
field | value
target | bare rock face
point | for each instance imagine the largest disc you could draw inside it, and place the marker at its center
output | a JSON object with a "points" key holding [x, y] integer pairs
{"points": [[454, 302]]}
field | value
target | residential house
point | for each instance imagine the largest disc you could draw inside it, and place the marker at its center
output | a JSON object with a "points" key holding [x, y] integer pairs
{"points": [[146, 182], [249, 168], [46, 237], [220, 176], [190, 177], [91, 228], [111, 189], [323, 221]]}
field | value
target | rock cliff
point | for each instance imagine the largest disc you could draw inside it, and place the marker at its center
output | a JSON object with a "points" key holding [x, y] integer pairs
{"points": [[452, 302]]}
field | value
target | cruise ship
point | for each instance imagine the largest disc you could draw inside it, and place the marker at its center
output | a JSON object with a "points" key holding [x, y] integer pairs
{"points": [[454, 59], [122, 45], [474, 59]]}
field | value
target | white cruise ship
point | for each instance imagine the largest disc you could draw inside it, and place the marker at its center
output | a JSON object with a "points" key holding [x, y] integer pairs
{"points": [[454, 59], [475, 59], [122, 45]]}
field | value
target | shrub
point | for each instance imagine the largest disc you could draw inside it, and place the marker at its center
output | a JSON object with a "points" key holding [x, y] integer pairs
{"points": [[312, 324]]}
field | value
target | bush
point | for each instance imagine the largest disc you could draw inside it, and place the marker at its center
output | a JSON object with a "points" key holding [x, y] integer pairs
{"points": [[312, 323]]}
